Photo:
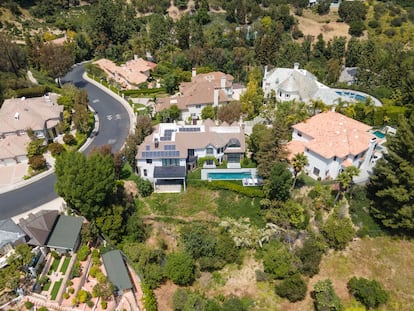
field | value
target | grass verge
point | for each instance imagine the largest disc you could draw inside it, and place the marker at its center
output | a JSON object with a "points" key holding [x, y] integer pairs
{"points": [[65, 265], [54, 266], [55, 289]]}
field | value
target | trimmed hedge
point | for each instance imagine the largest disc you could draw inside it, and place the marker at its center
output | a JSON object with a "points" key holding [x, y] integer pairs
{"points": [[144, 91], [35, 91], [252, 192]]}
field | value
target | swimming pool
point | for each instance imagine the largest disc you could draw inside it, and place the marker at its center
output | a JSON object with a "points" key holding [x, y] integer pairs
{"points": [[379, 134], [352, 95], [229, 175]]}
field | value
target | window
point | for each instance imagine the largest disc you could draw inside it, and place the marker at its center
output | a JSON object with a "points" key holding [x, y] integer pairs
{"points": [[334, 158], [234, 143], [145, 172], [280, 94], [316, 171], [210, 151], [149, 161], [209, 162], [233, 158], [287, 95], [299, 134], [198, 106], [170, 162]]}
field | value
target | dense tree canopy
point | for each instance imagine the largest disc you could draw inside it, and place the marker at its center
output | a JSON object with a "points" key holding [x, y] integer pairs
{"points": [[85, 183], [391, 186]]}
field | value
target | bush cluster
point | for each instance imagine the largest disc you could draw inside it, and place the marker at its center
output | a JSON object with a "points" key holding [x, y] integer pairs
{"points": [[35, 91], [251, 192]]}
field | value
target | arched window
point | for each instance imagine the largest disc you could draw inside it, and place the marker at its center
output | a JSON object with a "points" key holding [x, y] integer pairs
{"points": [[234, 143]]}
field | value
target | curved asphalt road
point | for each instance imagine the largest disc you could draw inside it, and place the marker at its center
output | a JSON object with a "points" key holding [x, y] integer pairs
{"points": [[113, 130]]}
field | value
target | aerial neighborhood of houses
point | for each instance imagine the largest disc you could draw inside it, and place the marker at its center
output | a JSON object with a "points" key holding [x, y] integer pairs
{"points": [[330, 141]]}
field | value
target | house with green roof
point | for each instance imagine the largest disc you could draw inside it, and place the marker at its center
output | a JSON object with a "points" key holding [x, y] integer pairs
{"points": [[65, 236], [116, 270]]}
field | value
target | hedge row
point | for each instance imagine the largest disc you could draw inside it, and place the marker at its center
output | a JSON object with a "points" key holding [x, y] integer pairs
{"points": [[35, 91], [144, 91], [252, 192]]}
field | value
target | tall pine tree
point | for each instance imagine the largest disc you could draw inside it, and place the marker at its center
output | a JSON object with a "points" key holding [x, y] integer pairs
{"points": [[391, 188]]}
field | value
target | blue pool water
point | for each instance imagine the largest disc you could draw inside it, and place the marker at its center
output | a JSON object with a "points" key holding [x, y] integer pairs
{"points": [[229, 175], [379, 134], [353, 96], [360, 98]]}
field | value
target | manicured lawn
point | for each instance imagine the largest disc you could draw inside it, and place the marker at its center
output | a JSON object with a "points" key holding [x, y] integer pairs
{"points": [[46, 286], [54, 266], [65, 265], [55, 289]]}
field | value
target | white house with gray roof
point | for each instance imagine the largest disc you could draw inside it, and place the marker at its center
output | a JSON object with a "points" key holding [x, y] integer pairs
{"points": [[286, 84], [165, 156]]}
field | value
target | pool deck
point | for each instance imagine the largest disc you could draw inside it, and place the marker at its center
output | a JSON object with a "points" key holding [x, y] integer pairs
{"points": [[353, 93]]}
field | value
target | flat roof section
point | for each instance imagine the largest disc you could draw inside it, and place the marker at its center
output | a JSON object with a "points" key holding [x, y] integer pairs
{"points": [[116, 270]]}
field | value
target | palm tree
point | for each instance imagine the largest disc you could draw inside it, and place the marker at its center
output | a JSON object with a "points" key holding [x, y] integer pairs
{"points": [[299, 161], [345, 180]]}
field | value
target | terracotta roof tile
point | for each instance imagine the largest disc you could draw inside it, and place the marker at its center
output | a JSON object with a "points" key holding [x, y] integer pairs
{"points": [[335, 135]]}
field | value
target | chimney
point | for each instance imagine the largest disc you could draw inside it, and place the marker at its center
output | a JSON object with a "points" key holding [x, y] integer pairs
{"points": [[135, 57], [16, 116], [193, 72], [370, 151], [156, 143], [216, 97], [296, 66], [223, 82]]}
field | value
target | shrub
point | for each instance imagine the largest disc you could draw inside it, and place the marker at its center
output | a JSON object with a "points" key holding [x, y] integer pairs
{"points": [[390, 32], [38, 162], [338, 231], [71, 290], [94, 270], [35, 91], [150, 302], [89, 303], [251, 192], [180, 268], [356, 28], [325, 297], [69, 283], [43, 309], [69, 139], [373, 23], [311, 255], [104, 304], [293, 288], [55, 149], [396, 22], [66, 295], [28, 305], [83, 253], [76, 270], [369, 292]]}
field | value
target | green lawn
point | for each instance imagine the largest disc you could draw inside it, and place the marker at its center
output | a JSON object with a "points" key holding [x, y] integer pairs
{"points": [[65, 265], [55, 289], [237, 206], [46, 286], [54, 266]]}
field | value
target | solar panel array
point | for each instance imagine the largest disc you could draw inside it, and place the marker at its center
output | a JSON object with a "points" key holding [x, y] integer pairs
{"points": [[189, 129], [169, 147], [167, 135], [160, 154]]}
